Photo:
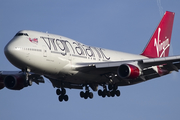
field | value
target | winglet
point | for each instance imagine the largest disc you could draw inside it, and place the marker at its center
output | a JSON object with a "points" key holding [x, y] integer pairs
{"points": [[159, 43]]}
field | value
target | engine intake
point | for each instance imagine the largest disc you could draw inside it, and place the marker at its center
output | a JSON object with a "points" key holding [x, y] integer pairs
{"points": [[127, 71], [14, 82]]}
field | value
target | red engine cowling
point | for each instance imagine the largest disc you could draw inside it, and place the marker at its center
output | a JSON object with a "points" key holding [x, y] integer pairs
{"points": [[1, 83], [127, 71], [14, 82]]}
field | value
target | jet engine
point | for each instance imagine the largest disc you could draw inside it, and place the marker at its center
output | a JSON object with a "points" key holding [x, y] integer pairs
{"points": [[14, 82], [128, 71], [1, 83]]}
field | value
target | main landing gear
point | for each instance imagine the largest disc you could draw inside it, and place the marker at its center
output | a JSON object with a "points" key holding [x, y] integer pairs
{"points": [[86, 94], [62, 94], [113, 90], [110, 91]]}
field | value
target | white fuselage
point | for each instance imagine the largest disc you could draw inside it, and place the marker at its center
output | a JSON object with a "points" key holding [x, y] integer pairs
{"points": [[56, 56]]}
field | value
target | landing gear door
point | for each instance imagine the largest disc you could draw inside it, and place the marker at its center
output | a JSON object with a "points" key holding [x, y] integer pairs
{"points": [[44, 51]]}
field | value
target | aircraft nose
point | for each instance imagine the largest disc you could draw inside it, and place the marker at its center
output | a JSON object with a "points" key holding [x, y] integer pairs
{"points": [[9, 50], [12, 53]]}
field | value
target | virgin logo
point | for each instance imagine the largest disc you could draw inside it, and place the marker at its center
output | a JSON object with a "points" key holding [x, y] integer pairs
{"points": [[161, 47]]}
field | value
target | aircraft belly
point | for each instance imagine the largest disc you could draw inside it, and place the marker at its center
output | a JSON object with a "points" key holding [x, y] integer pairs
{"points": [[79, 78]]}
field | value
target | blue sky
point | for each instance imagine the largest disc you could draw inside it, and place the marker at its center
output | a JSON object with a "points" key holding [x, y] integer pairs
{"points": [[123, 25]]}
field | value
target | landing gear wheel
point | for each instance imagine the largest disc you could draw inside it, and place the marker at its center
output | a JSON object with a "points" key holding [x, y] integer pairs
{"points": [[82, 94], [108, 94], [100, 92], [60, 98], [90, 95], [112, 93], [66, 98], [58, 92], [104, 93], [85, 96], [29, 82], [110, 86], [118, 93]]}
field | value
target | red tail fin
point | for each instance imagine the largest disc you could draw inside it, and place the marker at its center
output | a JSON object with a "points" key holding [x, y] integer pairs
{"points": [[159, 43]]}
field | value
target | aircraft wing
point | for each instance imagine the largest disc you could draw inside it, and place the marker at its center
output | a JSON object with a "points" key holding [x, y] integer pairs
{"points": [[146, 62], [166, 64]]}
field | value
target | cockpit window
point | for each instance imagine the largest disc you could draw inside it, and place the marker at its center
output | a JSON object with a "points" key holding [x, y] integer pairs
{"points": [[21, 34]]}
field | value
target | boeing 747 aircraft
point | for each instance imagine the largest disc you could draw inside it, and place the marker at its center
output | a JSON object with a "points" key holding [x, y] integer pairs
{"points": [[74, 65]]}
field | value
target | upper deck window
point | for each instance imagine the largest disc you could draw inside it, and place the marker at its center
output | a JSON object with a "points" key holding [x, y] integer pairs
{"points": [[21, 34]]}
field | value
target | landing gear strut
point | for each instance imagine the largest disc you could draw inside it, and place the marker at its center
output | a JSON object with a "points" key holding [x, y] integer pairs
{"points": [[62, 94], [28, 81]]}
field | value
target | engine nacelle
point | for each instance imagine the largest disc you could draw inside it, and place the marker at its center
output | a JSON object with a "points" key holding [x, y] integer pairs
{"points": [[1, 83], [128, 71], [14, 82]]}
